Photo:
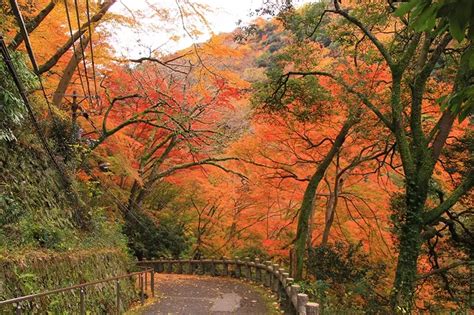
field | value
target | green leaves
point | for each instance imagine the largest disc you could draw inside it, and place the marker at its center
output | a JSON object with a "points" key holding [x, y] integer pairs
{"points": [[406, 7], [460, 104], [426, 19], [458, 14]]}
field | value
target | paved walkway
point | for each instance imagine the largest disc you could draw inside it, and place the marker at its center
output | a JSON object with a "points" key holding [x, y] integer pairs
{"points": [[181, 294]]}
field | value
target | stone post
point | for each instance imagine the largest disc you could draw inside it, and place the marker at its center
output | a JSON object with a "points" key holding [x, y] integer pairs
{"points": [[238, 269], [312, 308], [169, 266], [294, 289], [269, 277], [253, 271], [275, 277], [281, 271], [213, 268], [302, 300], [225, 266], [248, 271], [191, 267], [258, 271], [203, 265], [160, 266], [284, 276]]}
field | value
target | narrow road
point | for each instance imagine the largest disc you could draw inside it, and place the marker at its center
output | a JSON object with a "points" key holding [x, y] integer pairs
{"points": [[185, 294]]}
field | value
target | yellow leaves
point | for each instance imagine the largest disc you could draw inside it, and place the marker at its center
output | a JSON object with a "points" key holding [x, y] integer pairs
{"points": [[219, 46], [175, 38], [121, 166]]}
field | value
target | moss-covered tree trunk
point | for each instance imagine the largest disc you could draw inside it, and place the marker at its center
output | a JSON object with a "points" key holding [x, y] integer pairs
{"points": [[306, 209], [409, 248]]}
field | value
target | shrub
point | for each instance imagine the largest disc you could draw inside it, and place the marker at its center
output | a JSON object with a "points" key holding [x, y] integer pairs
{"points": [[148, 239], [346, 279]]}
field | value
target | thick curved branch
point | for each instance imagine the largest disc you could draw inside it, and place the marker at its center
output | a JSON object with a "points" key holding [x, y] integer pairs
{"points": [[433, 215], [209, 161], [444, 269], [63, 49], [32, 24]]}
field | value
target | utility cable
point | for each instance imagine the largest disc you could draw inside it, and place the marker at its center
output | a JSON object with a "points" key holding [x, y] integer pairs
{"points": [[119, 203], [8, 61], [74, 45], [29, 48], [92, 49], [34, 121], [81, 44]]}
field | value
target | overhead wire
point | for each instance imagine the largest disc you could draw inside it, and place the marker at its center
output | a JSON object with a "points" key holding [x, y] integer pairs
{"points": [[91, 49], [82, 47], [29, 49], [34, 120], [66, 6], [119, 203], [22, 91], [117, 200]]}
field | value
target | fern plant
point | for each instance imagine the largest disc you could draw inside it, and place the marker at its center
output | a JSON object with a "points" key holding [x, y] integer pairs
{"points": [[12, 109]]}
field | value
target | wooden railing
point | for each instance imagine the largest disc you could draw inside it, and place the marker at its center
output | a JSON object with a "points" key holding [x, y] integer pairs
{"points": [[20, 304], [266, 273]]}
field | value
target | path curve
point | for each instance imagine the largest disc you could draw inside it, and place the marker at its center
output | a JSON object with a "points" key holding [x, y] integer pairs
{"points": [[186, 294]]}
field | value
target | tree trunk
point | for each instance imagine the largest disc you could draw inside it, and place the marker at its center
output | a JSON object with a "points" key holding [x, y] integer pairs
{"points": [[306, 209], [68, 73], [137, 195], [410, 245], [330, 211]]}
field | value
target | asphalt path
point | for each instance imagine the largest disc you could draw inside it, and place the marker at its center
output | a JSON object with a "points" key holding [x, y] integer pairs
{"points": [[183, 294]]}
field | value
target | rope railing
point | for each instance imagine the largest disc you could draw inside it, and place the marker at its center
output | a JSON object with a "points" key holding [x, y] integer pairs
{"points": [[18, 306], [267, 273]]}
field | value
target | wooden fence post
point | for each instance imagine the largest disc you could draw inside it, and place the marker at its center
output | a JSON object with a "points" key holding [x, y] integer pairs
{"points": [[180, 267], [152, 282], [82, 303], [146, 279], [142, 290], [117, 296]]}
